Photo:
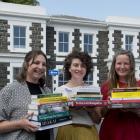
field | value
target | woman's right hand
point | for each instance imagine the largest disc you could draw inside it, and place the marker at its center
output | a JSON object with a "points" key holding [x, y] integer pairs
{"points": [[27, 125]]}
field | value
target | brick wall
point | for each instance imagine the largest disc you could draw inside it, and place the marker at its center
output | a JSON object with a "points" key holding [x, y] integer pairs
{"points": [[102, 54], [36, 36], [3, 74], [4, 35], [50, 51]]}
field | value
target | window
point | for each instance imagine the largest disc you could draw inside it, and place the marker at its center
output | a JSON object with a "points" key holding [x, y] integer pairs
{"points": [[129, 42], [63, 41], [19, 33], [61, 79], [89, 80], [88, 43], [16, 70]]}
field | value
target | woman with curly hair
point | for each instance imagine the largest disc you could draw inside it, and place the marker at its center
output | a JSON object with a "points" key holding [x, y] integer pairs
{"points": [[77, 66]]}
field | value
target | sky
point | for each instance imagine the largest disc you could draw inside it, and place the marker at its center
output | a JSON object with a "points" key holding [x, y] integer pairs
{"points": [[93, 9]]}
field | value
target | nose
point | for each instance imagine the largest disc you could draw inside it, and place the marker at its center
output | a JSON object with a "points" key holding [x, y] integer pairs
{"points": [[122, 66], [40, 65], [79, 67]]}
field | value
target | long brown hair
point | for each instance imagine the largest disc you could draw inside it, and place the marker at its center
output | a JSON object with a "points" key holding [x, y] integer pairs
{"points": [[21, 77], [113, 76]]}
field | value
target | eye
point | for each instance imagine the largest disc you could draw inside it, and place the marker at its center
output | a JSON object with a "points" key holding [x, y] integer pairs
{"points": [[75, 64], [36, 62], [44, 64], [83, 66]]}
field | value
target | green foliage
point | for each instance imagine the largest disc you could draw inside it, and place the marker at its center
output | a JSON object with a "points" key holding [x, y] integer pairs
{"points": [[26, 2]]}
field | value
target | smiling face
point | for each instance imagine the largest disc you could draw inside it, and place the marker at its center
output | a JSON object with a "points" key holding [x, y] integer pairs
{"points": [[36, 69], [77, 69], [122, 66]]}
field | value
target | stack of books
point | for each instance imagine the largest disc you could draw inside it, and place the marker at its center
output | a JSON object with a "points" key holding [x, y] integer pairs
{"points": [[88, 96], [125, 97], [49, 111]]}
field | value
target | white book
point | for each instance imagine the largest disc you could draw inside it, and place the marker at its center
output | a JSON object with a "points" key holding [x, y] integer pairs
{"points": [[52, 125]]}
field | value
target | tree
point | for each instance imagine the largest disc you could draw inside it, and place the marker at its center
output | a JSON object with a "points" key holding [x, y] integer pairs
{"points": [[26, 2]]}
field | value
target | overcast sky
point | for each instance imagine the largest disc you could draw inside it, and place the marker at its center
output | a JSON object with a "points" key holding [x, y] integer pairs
{"points": [[94, 9]]}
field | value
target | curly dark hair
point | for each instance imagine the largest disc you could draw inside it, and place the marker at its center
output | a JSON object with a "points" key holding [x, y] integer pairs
{"points": [[85, 59], [21, 77]]}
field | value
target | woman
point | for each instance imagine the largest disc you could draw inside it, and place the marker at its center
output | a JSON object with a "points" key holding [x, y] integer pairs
{"points": [[15, 97], [77, 66], [120, 124]]}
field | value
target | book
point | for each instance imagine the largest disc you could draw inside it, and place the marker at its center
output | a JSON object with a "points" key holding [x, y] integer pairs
{"points": [[125, 103], [89, 90], [46, 95], [44, 117], [49, 100], [125, 94], [51, 121], [55, 125], [88, 103], [126, 89], [48, 107], [88, 95], [87, 98]]}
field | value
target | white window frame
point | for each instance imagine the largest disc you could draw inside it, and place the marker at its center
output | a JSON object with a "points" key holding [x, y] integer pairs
{"points": [[13, 23], [19, 38], [13, 64]]}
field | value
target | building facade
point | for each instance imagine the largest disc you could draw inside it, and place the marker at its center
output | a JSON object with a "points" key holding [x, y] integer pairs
{"points": [[23, 28]]}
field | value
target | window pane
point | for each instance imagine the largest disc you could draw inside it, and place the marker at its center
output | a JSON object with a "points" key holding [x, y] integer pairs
{"points": [[22, 41], [22, 31], [65, 47], [90, 39], [60, 47], [16, 71], [16, 31], [85, 39], [65, 37], [60, 37], [16, 41]]}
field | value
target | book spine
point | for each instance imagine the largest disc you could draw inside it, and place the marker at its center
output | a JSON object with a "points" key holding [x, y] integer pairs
{"points": [[91, 93], [52, 121], [125, 101], [126, 89], [49, 100], [125, 94], [33, 106], [46, 95], [56, 120], [89, 103], [50, 116], [88, 98]]}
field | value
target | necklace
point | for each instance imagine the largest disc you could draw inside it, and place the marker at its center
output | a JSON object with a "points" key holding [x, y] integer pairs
{"points": [[75, 84]]}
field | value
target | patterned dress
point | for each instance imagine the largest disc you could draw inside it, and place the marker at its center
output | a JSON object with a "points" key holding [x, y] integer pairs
{"points": [[14, 100], [119, 124]]}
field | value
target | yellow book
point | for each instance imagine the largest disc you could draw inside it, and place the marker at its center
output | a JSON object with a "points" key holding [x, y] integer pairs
{"points": [[50, 99], [131, 94]]}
